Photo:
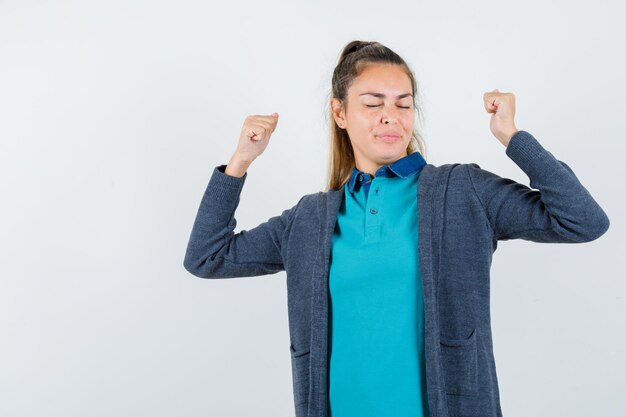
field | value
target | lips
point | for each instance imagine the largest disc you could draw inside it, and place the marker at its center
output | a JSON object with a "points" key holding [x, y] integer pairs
{"points": [[389, 137]]}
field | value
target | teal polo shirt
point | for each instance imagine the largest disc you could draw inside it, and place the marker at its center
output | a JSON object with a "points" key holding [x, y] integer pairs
{"points": [[376, 306]]}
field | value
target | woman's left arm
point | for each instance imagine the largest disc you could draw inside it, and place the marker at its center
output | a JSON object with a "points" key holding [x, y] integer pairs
{"points": [[561, 210]]}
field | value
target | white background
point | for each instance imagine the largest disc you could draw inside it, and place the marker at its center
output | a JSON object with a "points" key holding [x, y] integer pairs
{"points": [[113, 115]]}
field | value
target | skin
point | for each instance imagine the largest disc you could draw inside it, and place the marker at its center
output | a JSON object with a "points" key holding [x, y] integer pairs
{"points": [[502, 109], [366, 117], [365, 124]]}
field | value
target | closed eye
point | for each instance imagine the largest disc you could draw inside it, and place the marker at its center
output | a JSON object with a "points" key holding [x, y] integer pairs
{"points": [[402, 107]]}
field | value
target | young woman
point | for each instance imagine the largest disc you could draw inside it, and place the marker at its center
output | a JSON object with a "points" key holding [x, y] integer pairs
{"points": [[388, 269]]}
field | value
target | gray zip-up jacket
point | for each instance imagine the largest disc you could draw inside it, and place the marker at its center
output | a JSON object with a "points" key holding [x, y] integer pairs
{"points": [[464, 211]]}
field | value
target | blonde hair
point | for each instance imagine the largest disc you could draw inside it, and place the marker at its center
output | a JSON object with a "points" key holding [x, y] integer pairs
{"points": [[354, 58]]}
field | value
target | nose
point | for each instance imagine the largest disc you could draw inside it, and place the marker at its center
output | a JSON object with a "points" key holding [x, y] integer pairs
{"points": [[388, 115]]}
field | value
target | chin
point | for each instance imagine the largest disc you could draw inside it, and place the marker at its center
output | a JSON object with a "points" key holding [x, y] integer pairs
{"points": [[391, 148], [391, 155]]}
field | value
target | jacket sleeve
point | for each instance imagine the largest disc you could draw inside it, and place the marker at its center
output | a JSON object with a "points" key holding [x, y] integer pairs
{"points": [[558, 210], [215, 251]]}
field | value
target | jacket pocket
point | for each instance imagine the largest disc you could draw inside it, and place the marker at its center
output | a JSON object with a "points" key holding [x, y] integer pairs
{"points": [[300, 366], [459, 358]]}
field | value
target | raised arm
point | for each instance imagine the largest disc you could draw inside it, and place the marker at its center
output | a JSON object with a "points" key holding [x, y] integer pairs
{"points": [[215, 251], [561, 210]]}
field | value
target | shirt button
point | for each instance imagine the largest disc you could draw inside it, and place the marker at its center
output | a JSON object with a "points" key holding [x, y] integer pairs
{"points": [[373, 211]]}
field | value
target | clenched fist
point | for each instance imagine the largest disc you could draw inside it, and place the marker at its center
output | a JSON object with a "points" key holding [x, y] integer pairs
{"points": [[502, 107], [255, 135]]}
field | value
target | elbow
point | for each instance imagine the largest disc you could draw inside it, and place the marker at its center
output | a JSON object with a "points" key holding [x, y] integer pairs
{"points": [[599, 227], [602, 227], [191, 268], [196, 267]]}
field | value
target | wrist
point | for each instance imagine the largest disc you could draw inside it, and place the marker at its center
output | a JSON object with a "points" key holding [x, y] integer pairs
{"points": [[506, 137], [236, 167]]}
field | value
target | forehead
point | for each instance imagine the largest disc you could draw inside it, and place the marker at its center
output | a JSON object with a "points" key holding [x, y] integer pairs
{"points": [[387, 80]]}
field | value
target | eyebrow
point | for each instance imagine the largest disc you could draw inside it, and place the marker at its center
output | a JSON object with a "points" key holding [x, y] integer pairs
{"points": [[380, 95]]}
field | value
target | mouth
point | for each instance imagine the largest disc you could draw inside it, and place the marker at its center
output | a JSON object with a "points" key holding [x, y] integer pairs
{"points": [[389, 138]]}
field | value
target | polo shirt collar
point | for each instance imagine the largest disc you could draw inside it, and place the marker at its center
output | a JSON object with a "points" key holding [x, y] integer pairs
{"points": [[404, 167]]}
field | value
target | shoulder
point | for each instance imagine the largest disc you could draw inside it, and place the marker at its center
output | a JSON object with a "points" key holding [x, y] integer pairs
{"points": [[457, 178], [459, 169], [312, 198], [309, 203], [450, 172]]}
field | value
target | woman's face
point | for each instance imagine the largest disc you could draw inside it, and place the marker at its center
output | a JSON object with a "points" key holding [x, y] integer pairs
{"points": [[379, 116]]}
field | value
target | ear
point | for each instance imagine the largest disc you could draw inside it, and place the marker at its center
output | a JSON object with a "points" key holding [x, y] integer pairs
{"points": [[338, 112]]}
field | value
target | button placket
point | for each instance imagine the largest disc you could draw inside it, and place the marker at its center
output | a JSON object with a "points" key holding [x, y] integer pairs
{"points": [[373, 207]]}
